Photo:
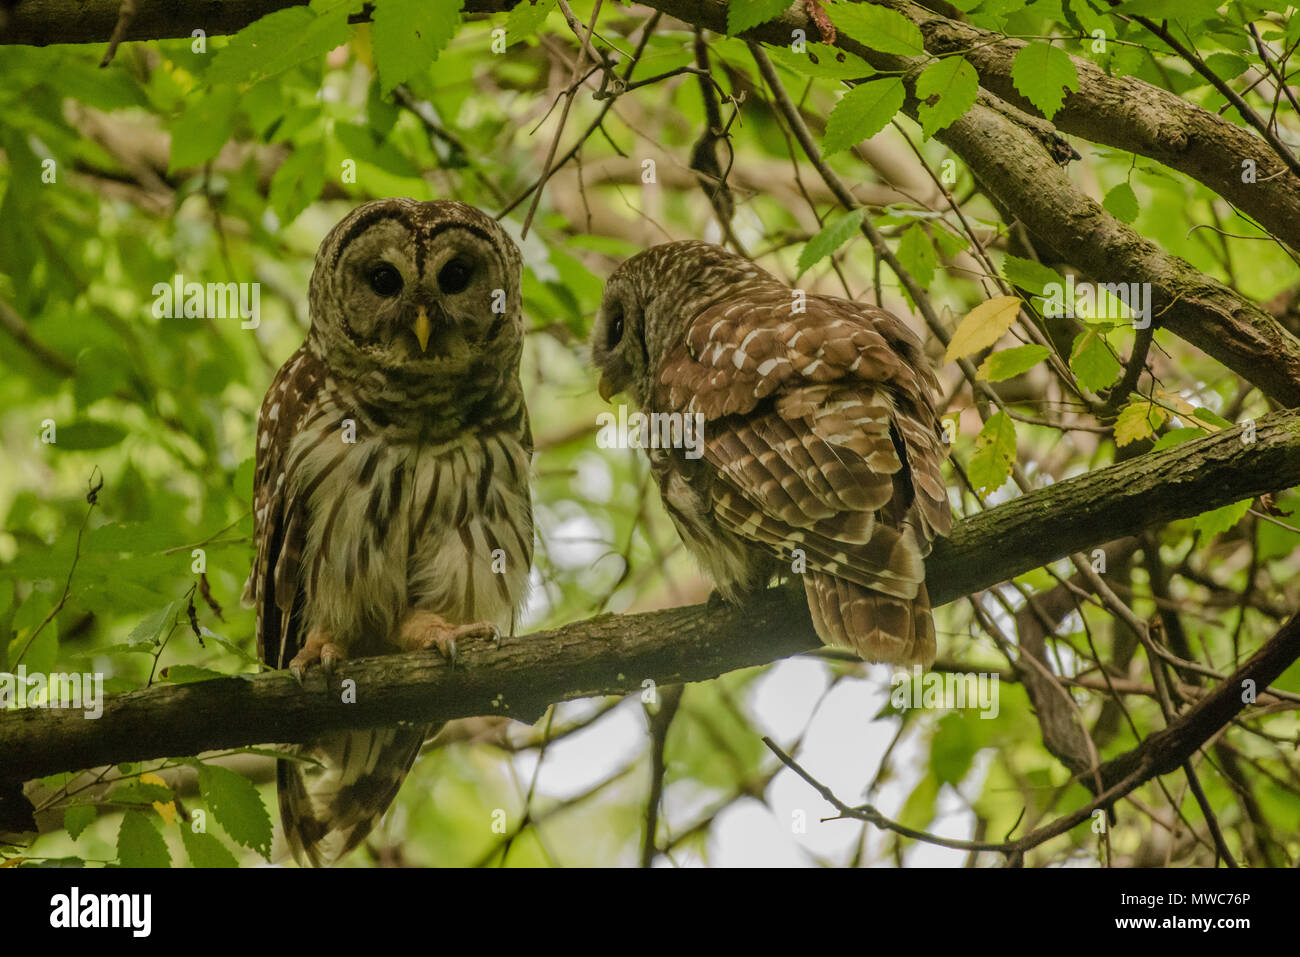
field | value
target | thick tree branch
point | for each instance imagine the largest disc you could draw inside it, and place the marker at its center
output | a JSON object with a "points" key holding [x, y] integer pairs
{"points": [[1130, 114], [614, 654]]}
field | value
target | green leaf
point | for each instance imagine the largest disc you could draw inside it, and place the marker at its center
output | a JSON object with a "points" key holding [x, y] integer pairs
{"points": [[952, 750], [995, 451], [1042, 72], [830, 237], [77, 818], [139, 844], [1011, 362], [140, 792], [88, 435], [297, 182], [237, 806], [743, 14], [525, 18], [878, 28], [281, 40], [862, 113], [408, 35], [823, 61], [187, 674], [1177, 437], [947, 89], [916, 254], [1227, 66], [1092, 362], [1122, 203], [1205, 415], [1219, 520], [203, 128], [1031, 276], [151, 627], [205, 850]]}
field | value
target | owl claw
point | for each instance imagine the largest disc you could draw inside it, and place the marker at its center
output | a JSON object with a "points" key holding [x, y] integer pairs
{"points": [[318, 649], [426, 631]]}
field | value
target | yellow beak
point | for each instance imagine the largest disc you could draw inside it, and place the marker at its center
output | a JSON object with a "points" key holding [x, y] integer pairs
{"points": [[421, 328], [606, 389]]}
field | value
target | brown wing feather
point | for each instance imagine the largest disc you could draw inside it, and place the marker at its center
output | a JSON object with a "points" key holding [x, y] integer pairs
{"points": [[280, 524]]}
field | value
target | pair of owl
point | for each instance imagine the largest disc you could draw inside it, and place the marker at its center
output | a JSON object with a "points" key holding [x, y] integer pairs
{"points": [[392, 509]]}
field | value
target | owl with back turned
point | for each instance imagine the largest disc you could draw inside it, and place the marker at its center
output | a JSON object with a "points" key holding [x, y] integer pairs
{"points": [[392, 509], [821, 449]]}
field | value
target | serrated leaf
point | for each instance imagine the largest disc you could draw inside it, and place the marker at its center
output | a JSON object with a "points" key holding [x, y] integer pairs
{"points": [[1092, 362], [205, 850], [750, 13], [150, 628], [947, 89], [1042, 72], [525, 18], [1011, 362], [878, 28], [408, 35], [281, 40], [995, 452], [983, 326], [823, 61], [138, 842], [77, 818], [203, 128], [237, 806], [1122, 203], [1219, 520], [863, 112], [830, 237], [1227, 66], [297, 182], [916, 254], [1031, 276], [1138, 420]]}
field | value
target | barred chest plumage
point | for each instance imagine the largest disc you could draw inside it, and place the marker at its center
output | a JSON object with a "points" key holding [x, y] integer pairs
{"points": [[397, 523]]}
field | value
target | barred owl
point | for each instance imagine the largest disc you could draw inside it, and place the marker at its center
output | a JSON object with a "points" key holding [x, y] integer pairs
{"points": [[821, 449], [391, 500]]}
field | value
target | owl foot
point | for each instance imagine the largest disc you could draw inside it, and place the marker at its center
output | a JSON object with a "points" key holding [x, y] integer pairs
{"points": [[424, 630], [318, 649]]}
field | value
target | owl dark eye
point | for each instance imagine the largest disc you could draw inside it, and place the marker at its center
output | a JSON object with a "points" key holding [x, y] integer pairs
{"points": [[615, 334], [454, 277], [385, 280]]}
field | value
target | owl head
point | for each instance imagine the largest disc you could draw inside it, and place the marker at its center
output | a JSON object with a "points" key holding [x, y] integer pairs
{"points": [[421, 287], [648, 304]]}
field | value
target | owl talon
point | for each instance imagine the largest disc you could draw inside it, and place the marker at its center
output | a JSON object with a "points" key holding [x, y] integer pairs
{"points": [[426, 631], [318, 649]]}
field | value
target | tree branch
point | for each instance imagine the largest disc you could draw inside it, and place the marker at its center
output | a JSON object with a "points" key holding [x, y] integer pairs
{"points": [[614, 654]]}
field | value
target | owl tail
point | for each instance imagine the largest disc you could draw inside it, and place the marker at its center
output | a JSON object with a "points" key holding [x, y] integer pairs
{"points": [[328, 808], [878, 627]]}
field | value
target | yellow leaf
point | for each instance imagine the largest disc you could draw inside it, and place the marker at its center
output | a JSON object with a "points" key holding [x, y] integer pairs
{"points": [[983, 326], [1138, 420], [168, 810]]}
